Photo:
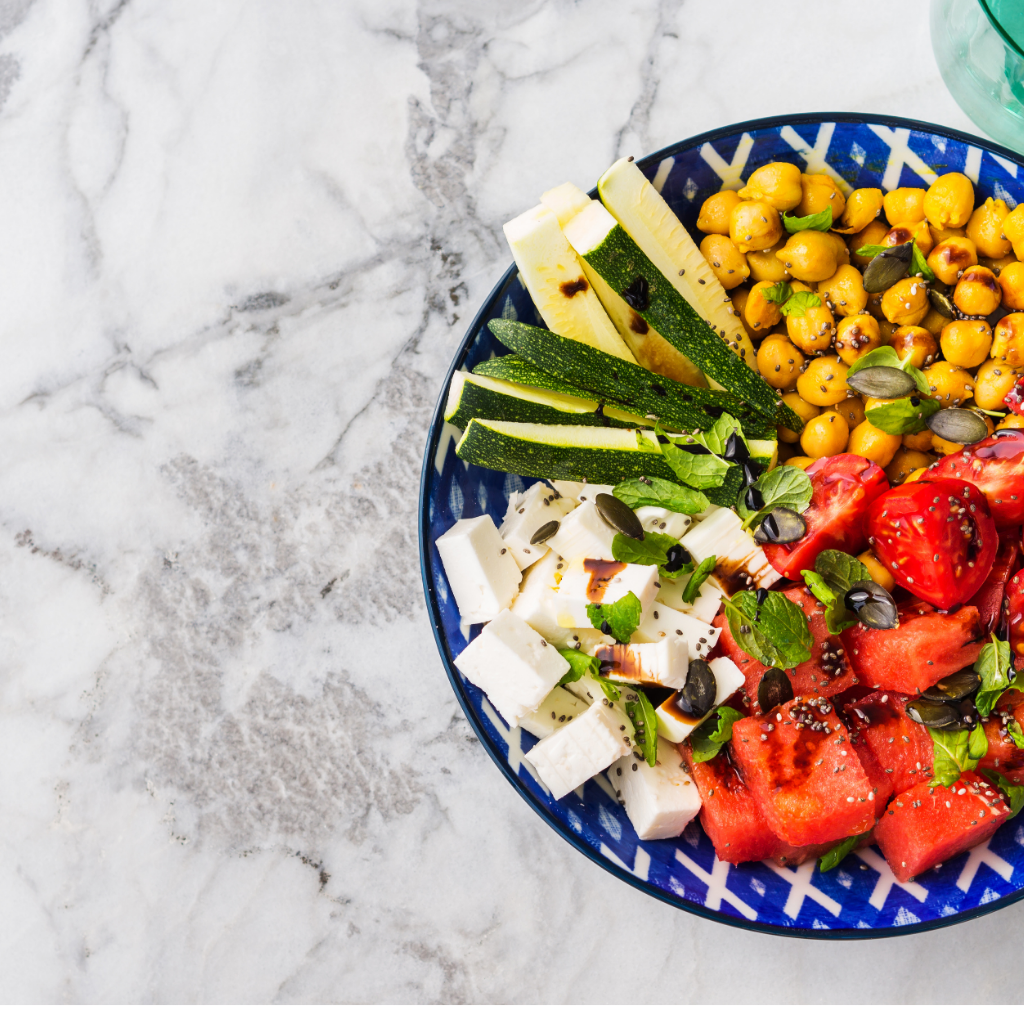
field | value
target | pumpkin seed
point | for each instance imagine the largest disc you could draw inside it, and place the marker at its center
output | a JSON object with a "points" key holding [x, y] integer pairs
{"points": [[882, 382], [783, 526], [872, 604], [968, 713], [619, 516], [888, 267], [753, 499], [774, 689], [750, 474], [697, 697], [942, 304], [960, 426], [954, 688], [638, 294], [735, 449], [934, 716], [545, 532], [676, 558]]}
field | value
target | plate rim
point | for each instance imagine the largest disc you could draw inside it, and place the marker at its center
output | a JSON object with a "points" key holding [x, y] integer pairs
{"points": [[434, 612]]}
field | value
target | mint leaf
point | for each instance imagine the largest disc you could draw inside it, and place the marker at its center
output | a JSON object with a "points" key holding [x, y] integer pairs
{"points": [[820, 221], [659, 493], [611, 691], [872, 250], [780, 638], [712, 734], [799, 302], [977, 744], [779, 293], [652, 550], [622, 616], [699, 471], [918, 264], [579, 665], [645, 723], [993, 666], [783, 486], [819, 588], [696, 580], [838, 853], [837, 618], [1013, 794], [840, 570], [952, 755], [1015, 734], [904, 416], [716, 437]]}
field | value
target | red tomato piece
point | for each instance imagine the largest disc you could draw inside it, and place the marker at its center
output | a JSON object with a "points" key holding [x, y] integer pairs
{"points": [[1014, 398], [936, 538], [844, 486], [804, 774], [928, 824], [926, 646], [1015, 618], [1003, 755], [995, 465], [901, 747], [989, 598]]}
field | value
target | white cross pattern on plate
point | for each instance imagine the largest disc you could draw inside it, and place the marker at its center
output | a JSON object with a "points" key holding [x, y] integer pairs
{"points": [[799, 880], [731, 173], [886, 880], [718, 890], [900, 153], [815, 156], [983, 855], [511, 738], [641, 861]]}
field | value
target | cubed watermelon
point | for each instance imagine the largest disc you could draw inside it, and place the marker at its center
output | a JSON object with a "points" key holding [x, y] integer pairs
{"points": [[804, 774], [901, 746], [989, 599], [928, 824], [827, 672], [1004, 756], [881, 780], [927, 646], [730, 816]]}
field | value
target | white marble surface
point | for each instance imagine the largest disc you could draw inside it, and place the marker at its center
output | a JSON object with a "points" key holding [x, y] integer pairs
{"points": [[239, 242]]}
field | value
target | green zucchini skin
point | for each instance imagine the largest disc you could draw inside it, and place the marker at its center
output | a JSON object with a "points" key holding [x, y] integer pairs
{"points": [[730, 491], [484, 404], [622, 263], [520, 371], [678, 406]]}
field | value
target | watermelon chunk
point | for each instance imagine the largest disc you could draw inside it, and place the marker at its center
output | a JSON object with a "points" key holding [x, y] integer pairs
{"points": [[1003, 755], [881, 780], [927, 646], [928, 824], [899, 745], [804, 773], [828, 671], [730, 816], [989, 599]]}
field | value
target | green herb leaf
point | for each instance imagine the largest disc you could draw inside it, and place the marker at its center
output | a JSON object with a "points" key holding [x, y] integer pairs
{"points": [[712, 734], [700, 471], [840, 570], [1013, 794], [645, 722], [993, 666], [696, 580], [838, 853], [1015, 734], [977, 744], [819, 588], [781, 487], [660, 493], [645, 444], [611, 691], [780, 638], [778, 293], [652, 550], [872, 250], [919, 265], [904, 416], [837, 618], [952, 755], [716, 437], [886, 355], [799, 302], [820, 221], [622, 616], [579, 665]]}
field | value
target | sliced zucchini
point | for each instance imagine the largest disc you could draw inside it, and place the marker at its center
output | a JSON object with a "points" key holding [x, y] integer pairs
{"points": [[642, 211], [486, 398], [598, 237], [652, 351], [521, 371], [557, 284]]}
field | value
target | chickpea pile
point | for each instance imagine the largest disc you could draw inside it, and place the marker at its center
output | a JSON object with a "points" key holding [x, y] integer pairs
{"points": [[976, 253]]}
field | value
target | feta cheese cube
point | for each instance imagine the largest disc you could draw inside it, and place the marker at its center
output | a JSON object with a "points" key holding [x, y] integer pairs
{"points": [[709, 597], [535, 605], [581, 749], [481, 571], [568, 488], [584, 534], [599, 583], [675, 725], [661, 664], [660, 520], [741, 562], [661, 621], [660, 801], [527, 513], [513, 664], [588, 492], [557, 709]]}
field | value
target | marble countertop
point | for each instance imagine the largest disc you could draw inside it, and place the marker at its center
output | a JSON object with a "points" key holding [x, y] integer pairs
{"points": [[241, 242]]}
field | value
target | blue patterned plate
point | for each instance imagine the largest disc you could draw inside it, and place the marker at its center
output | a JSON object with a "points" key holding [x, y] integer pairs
{"points": [[861, 898]]}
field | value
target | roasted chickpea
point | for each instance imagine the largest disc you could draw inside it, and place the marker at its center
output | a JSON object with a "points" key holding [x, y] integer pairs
{"points": [[910, 231], [885, 330], [823, 382], [754, 224], [1008, 341], [810, 256], [934, 321], [1011, 284], [985, 228], [819, 191], [949, 201], [948, 448], [803, 409], [812, 332], [856, 336], [779, 361], [1014, 421], [941, 234], [765, 265], [841, 248], [863, 206], [949, 259], [827, 434], [977, 293], [759, 310], [992, 381], [903, 204], [852, 411], [950, 384], [966, 342], [877, 571], [906, 302], [800, 461], [996, 265], [905, 461], [714, 212], [871, 235], [777, 184], [728, 263], [1013, 228], [738, 298], [871, 443], [919, 442], [844, 291], [915, 342], [916, 475]]}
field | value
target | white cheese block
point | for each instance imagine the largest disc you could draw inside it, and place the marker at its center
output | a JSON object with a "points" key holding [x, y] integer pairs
{"points": [[588, 492], [661, 664], [660, 520], [527, 513], [740, 557], [535, 605], [707, 605], [574, 591], [481, 571], [557, 709], [581, 749], [568, 488], [674, 725], [584, 534], [660, 801], [662, 621], [513, 664]]}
